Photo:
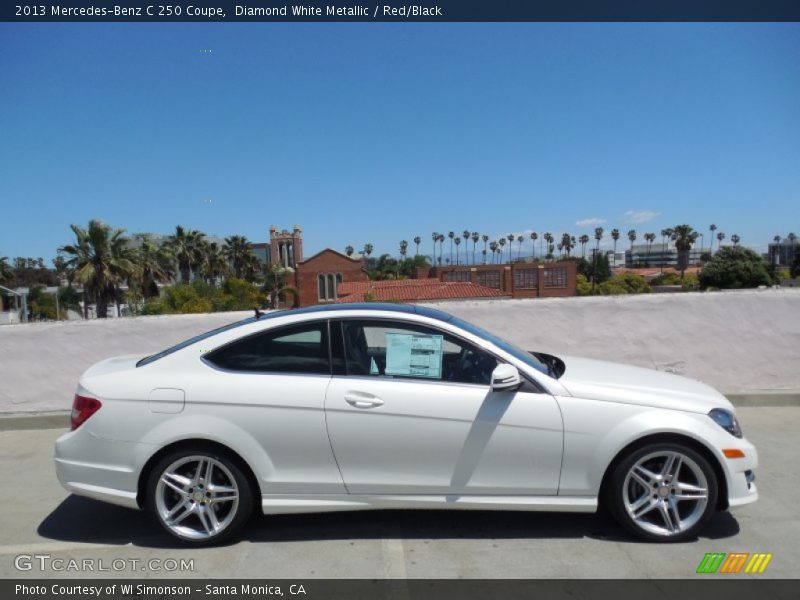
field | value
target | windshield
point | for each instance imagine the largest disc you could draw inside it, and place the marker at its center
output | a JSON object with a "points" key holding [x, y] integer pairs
{"points": [[147, 360], [517, 353]]}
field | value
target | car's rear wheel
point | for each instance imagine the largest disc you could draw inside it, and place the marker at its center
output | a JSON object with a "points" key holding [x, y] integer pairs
{"points": [[663, 492], [200, 497]]}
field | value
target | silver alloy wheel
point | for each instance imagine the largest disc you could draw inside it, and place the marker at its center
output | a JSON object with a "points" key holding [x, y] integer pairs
{"points": [[665, 493], [197, 497]]}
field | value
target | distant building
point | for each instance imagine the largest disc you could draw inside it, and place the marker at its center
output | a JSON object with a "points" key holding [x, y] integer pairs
{"points": [[783, 253], [649, 255], [414, 290]]}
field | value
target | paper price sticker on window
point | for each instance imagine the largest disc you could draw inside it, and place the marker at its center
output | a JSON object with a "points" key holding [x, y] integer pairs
{"points": [[414, 355]]}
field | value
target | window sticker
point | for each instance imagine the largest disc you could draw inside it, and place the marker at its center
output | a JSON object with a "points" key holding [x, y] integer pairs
{"points": [[414, 354]]}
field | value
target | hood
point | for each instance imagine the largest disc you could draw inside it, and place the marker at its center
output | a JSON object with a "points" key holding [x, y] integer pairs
{"points": [[612, 382]]}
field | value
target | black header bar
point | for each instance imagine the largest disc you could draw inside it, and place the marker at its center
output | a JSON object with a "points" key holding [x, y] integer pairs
{"points": [[392, 11]]}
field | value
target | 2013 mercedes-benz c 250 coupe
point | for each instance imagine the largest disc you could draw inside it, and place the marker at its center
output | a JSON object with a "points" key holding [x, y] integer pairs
{"points": [[368, 406]]}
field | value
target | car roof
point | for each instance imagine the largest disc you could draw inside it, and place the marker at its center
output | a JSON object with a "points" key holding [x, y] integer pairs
{"points": [[353, 306]]}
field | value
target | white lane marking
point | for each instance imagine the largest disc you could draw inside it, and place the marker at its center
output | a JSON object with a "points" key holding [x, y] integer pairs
{"points": [[54, 547]]}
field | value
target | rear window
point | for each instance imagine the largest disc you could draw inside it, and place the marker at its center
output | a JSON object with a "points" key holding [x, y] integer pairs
{"points": [[293, 349], [198, 338]]}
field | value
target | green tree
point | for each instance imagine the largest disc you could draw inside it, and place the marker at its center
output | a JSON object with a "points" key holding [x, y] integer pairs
{"points": [[215, 264], [685, 237], [5, 270], [156, 265], [187, 247], [99, 260], [239, 251], [734, 267]]}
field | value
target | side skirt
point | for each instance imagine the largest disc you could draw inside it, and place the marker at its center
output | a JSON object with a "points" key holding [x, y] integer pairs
{"points": [[311, 503]]}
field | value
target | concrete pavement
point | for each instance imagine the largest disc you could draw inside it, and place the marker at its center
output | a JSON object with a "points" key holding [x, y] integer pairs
{"points": [[39, 518]]}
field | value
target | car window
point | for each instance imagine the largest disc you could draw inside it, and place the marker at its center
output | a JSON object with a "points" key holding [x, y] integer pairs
{"points": [[292, 349], [403, 350]]}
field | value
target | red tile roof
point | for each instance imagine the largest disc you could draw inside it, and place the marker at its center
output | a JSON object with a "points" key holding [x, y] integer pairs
{"points": [[411, 290]]}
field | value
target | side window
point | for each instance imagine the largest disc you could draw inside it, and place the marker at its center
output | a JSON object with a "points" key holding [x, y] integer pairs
{"points": [[292, 349], [403, 350]]}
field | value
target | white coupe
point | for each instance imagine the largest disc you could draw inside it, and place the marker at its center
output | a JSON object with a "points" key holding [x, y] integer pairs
{"points": [[365, 406]]}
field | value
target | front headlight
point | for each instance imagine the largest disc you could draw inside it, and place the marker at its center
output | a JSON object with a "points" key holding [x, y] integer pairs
{"points": [[727, 420]]}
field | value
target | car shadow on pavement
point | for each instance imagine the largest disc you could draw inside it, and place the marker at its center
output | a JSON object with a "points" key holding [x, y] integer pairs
{"points": [[79, 519]]}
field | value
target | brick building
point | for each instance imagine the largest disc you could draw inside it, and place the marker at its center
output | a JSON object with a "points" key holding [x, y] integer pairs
{"points": [[318, 278], [413, 290], [330, 276], [518, 279]]}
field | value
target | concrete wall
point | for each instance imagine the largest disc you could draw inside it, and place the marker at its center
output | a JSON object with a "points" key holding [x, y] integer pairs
{"points": [[735, 341]]}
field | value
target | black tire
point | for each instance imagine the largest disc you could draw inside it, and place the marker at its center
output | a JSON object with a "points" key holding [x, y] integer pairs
{"points": [[230, 515], [696, 514]]}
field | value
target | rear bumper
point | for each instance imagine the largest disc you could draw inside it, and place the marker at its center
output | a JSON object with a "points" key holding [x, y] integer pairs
{"points": [[97, 468]]}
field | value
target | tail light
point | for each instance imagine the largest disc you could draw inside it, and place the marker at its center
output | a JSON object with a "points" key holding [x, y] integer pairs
{"points": [[83, 408]]}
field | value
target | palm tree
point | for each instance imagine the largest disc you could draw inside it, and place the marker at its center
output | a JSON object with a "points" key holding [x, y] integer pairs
{"points": [[156, 265], [493, 247], [485, 239], [735, 239], [475, 237], [685, 236], [649, 238], [457, 241], [510, 237], [368, 248], [451, 235], [615, 237], [550, 249], [215, 264], [434, 238], [238, 250], [534, 237], [502, 242], [417, 242], [186, 246], [5, 270], [349, 250], [712, 228], [519, 241], [566, 243], [99, 260], [548, 237], [632, 238], [441, 247], [466, 234], [720, 237], [403, 248], [583, 240]]}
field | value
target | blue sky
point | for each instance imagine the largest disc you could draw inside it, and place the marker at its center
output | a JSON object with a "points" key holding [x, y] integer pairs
{"points": [[378, 132]]}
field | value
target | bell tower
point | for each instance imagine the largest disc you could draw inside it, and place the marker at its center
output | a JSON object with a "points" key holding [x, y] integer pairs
{"points": [[286, 247]]}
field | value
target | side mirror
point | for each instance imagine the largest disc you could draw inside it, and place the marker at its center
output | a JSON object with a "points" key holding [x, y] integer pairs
{"points": [[505, 378]]}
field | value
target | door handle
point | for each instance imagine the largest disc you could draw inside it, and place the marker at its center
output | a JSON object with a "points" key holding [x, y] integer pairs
{"points": [[362, 400]]}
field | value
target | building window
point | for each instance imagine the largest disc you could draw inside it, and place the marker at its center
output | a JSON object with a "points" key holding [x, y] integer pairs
{"points": [[328, 286], [489, 279], [526, 279], [460, 275], [555, 277]]}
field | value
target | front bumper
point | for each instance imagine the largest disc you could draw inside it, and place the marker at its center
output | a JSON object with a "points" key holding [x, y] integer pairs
{"points": [[740, 474]]}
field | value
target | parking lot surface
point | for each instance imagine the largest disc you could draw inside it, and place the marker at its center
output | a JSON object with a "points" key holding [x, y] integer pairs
{"points": [[40, 519]]}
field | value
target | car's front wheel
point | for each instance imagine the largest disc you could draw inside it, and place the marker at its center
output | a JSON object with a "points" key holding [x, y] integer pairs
{"points": [[200, 497], [663, 492]]}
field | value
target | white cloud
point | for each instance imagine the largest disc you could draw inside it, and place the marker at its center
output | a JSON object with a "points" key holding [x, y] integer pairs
{"points": [[640, 216], [590, 222]]}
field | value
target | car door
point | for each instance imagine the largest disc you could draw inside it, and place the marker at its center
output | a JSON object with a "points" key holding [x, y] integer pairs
{"points": [[272, 386], [411, 412]]}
